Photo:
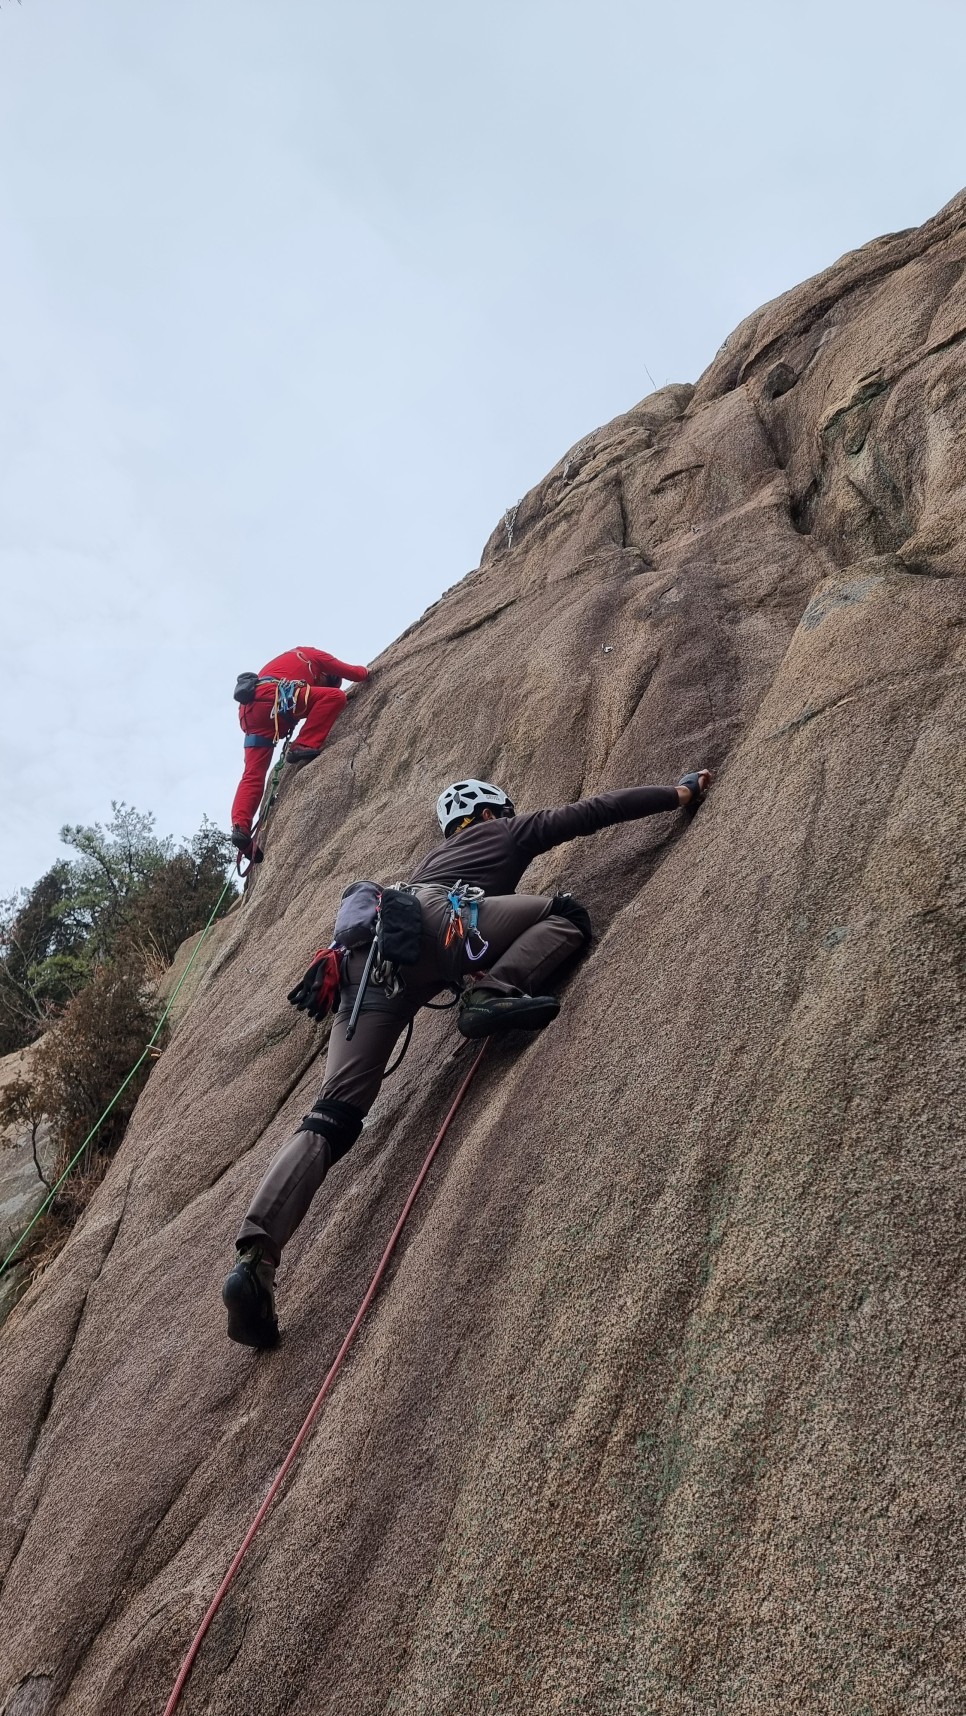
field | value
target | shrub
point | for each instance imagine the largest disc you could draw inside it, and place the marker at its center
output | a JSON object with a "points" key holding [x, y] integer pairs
{"points": [[85, 1058], [177, 900], [78, 953]]}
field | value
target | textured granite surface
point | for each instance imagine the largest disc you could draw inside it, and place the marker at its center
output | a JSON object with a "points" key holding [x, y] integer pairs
{"points": [[661, 1410]]}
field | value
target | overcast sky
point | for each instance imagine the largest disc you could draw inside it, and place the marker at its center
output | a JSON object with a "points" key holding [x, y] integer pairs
{"points": [[298, 296]]}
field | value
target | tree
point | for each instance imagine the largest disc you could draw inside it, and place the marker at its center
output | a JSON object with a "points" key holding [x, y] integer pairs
{"points": [[178, 898], [128, 896], [117, 862], [79, 955], [42, 961]]}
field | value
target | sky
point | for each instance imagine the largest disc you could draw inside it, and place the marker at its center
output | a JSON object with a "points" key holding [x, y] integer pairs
{"points": [[296, 298]]}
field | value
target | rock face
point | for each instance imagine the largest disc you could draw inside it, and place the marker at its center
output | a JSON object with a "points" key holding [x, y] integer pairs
{"points": [[27, 1170], [660, 1409]]}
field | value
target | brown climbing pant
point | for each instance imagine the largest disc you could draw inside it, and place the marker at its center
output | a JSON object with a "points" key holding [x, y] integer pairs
{"points": [[527, 942]]}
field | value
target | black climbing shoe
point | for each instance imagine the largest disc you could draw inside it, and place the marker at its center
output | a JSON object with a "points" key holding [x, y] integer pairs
{"points": [[483, 1013], [299, 755], [245, 844], [249, 1293]]}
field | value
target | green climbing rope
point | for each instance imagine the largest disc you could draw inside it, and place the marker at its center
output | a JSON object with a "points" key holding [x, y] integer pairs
{"points": [[122, 1088]]}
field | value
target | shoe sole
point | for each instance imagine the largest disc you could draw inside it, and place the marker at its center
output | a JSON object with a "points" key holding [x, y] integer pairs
{"points": [[476, 1022], [245, 1322]]}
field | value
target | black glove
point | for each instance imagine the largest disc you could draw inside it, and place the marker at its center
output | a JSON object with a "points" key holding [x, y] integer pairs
{"points": [[319, 992]]}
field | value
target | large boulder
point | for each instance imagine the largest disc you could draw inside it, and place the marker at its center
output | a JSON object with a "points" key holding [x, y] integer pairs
{"points": [[660, 1408]]}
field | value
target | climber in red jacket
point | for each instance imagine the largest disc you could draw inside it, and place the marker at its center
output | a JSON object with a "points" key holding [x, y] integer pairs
{"points": [[301, 683]]}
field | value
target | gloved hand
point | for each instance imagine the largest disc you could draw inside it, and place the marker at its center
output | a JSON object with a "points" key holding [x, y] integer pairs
{"points": [[697, 785]]}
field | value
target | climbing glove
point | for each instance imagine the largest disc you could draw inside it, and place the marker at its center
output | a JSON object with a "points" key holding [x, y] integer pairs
{"points": [[319, 992], [697, 783]]}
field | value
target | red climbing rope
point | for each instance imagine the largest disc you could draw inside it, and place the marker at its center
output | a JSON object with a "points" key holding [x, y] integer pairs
{"points": [[313, 1412]]}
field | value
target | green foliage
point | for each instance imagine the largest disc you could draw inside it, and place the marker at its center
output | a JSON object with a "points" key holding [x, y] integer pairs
{"points": [[42, 960], [80, 955], [177, 899], [120, 865], [128, 896], [86, 1056]]}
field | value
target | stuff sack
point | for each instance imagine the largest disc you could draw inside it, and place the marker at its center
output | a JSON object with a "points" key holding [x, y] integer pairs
{"points": [[358, 914], [246, 686]]}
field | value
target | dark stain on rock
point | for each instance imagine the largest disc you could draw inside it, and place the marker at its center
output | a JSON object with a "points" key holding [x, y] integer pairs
{"points": [[32, 1697], [848, 594], [781, 378]]}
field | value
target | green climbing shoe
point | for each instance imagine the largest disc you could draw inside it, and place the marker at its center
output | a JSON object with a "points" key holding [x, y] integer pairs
{"points": [[484, 1013]]}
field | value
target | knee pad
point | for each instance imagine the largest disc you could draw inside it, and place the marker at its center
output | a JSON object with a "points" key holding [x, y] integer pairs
{"points": [[339, 1123], [565, 906]]}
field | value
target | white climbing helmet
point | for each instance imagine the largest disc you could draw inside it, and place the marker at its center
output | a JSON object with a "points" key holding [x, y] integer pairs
{"points": [[463, 797]]}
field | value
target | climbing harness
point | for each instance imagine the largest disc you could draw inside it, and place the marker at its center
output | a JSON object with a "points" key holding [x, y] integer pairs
{"points": [[148, 1053], [393, 1065], [390, 920], [319, 992], [316, 1406], [285, 708], [463, 922]]}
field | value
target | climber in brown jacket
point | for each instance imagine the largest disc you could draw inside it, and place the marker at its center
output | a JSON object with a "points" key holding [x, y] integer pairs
{"points": [[498, 949]]}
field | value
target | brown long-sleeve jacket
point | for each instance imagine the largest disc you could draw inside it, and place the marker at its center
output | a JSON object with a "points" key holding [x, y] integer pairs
{"points": [[494, 855]]}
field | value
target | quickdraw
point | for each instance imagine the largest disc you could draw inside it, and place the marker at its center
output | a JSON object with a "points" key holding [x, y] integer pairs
{"points": [[286, 705], [463, 923]]}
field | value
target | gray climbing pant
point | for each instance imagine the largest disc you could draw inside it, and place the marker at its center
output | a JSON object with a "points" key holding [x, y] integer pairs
{"points": [[527, 943]]}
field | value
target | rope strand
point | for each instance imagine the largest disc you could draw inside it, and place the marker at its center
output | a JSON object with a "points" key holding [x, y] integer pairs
{"points": [[315, 1408]]}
